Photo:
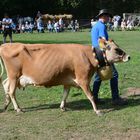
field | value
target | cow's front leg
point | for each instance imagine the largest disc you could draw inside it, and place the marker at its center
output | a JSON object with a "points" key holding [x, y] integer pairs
{"points": [[65, 95], [12, 88], [5, 84], [89, 95]]}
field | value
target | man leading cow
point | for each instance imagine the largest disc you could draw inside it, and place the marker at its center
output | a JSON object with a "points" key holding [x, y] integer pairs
{"points": [[99, 32]]}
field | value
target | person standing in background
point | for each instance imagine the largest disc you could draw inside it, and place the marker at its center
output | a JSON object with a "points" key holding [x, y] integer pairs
{"points": [[7, 27]]}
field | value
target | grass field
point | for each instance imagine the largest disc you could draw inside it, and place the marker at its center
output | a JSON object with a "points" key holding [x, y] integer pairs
{"points": [[43, 120]]}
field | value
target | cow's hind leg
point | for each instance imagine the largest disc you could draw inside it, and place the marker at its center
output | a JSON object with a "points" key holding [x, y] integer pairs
{"points": [[65, 95], [5, 84], [89, 95], [12, 88], [7, 102]]}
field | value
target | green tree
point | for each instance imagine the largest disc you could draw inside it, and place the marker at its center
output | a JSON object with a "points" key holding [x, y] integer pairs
{"points": [[79, 8]]}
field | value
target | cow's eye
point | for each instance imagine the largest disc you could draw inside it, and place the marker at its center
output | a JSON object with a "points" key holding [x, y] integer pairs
{"points": [[119, 51], [108, 47]]}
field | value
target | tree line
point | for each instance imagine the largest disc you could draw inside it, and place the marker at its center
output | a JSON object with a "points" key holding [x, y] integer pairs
{"points": [[78, 8]]}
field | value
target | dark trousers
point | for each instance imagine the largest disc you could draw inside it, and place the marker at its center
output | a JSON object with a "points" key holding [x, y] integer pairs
{"points": [[113, 85], [7, 31]]}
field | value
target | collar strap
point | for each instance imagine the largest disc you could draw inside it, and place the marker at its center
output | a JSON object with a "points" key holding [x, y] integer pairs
{"points": [[101, 57]]}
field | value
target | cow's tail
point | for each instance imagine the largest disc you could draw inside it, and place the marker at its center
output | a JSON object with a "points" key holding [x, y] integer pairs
{"points": [[2, 69]]}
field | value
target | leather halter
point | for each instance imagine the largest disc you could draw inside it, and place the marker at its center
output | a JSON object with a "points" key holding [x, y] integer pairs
{"points": [[101, 57]]}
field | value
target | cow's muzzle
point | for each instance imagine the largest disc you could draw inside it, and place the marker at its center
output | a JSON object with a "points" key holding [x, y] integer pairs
{"points": [[126, 58]]}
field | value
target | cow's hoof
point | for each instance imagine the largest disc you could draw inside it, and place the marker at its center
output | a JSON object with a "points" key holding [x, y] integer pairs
{"points": [[5, 108], [2, 110], [19, 111], [99, 113], [63, 109]]}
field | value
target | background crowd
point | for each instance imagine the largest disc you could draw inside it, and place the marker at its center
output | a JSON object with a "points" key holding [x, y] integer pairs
{"points": [[29, 24]]}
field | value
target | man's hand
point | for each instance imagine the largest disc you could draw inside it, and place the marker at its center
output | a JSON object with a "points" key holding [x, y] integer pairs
{"points": [[102, 43]]}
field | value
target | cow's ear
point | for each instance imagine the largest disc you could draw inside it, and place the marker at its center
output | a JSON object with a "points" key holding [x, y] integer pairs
{"points": [[111, 40]]}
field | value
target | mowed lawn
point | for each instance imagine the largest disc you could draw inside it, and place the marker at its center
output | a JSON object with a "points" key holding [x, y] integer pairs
{"points": [[43, 120]]}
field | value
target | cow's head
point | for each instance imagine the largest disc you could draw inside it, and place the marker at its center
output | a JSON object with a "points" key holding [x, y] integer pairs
{"points": [[113, 52]]}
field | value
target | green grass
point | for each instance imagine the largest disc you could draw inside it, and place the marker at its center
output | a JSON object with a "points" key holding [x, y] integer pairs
{"points": [[43, 119]]}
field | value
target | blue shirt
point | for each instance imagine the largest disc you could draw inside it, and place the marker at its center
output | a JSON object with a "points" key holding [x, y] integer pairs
{"points": [[97, 31]]}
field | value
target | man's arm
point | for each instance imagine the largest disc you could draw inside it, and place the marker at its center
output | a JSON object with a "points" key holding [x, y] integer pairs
{"points": [[103, 32], [103, 36]]}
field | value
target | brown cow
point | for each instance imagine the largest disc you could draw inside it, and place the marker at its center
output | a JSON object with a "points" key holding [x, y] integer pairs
{"points": [[51, 65]]}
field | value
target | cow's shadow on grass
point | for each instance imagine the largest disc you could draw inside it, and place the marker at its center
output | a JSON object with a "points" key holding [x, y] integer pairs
{"points": [[84, 104]]}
